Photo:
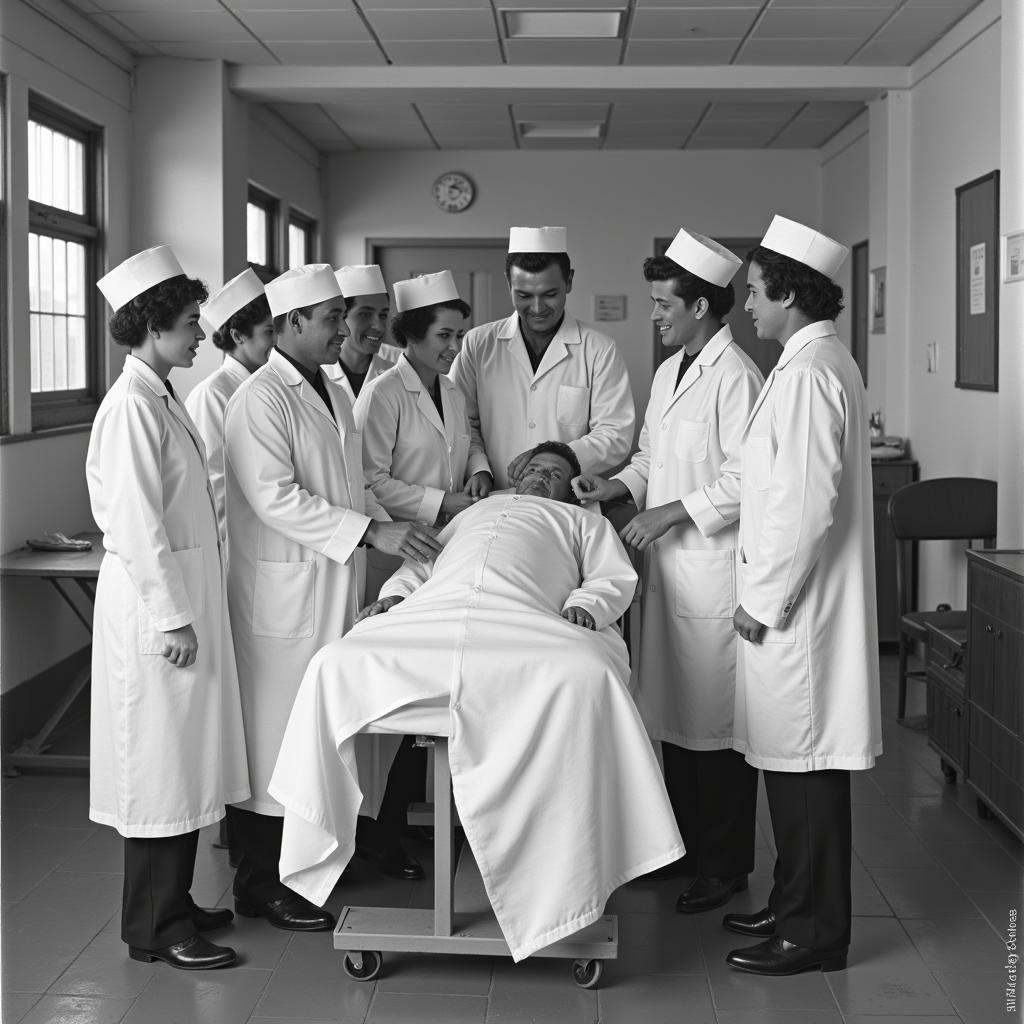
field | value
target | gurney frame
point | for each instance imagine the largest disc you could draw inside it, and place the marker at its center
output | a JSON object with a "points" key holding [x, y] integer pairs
{"points": [[365, 933]]}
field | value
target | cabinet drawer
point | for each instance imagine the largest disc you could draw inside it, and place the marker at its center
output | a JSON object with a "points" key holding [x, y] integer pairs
{"points": [[947, 725], [886, 479], [999, 595], [995, 761]]}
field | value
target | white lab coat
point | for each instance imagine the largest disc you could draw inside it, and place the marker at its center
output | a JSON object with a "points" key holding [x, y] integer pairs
{"points": [[807, 697], [410, 457], [381, 362], [555, 779], [580, 394], [166, 744], [298, 507], [689, 451], [206, 403]]}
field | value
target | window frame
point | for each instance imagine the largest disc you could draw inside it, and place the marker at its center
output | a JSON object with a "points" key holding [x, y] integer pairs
{"points": [[271, 205], [296, 218], [74, 406]]}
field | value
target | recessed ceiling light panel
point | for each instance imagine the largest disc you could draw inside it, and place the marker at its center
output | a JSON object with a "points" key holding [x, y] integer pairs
{"points": [[563, 24], [560, 129]]}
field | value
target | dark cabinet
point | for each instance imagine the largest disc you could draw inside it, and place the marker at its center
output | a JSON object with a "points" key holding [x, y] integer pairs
{"points": [[946, 669], [886, 477]]}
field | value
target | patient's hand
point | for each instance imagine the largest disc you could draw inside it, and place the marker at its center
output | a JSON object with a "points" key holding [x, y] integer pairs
{"points": [[383, 605], [580, 616], [479, 485]]}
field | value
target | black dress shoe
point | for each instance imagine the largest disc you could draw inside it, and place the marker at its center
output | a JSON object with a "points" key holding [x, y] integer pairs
{"points": [[761, 923], [207, 918], [708, 892], [192, 954], [396, 863], [777, 957], [293, 913]]}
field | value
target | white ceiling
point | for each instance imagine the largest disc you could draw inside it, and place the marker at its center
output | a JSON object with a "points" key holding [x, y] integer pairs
{"points": [[342, 52]]}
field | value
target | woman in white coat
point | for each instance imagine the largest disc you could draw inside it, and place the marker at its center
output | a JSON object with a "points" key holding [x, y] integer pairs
{"points": [[167, 747], [245, 334], [685, 477]]}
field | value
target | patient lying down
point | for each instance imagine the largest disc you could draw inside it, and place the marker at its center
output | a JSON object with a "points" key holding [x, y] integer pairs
{"points": [[510, 629]]}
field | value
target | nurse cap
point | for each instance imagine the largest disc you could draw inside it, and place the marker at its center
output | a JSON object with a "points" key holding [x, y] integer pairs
{"points": [[302, 286], [703, 257], [805, 245], [222, 305], [425, 290], [361, 280], [537, 240], [137, 274]]}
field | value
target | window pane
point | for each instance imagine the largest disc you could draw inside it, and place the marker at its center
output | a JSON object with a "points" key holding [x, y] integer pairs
{"points": [[33, 334], [60, 353], [298, 245], [45, 274], [76, 172], [56, 168], [76, 352], [57, 314], [46, 353], [256, 250]]}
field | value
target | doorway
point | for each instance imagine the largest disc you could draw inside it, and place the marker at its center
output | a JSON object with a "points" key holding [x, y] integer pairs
{"points": [[859, 313]]}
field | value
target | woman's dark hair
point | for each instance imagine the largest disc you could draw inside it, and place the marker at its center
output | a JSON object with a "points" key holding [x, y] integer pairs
{"points": [[157, 308], [244, 321], [814, 294], [536, 263], [689, 287], [413, 324]]}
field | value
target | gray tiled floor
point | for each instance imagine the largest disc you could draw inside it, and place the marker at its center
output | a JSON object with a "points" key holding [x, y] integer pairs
{"points": [[932, 889]]}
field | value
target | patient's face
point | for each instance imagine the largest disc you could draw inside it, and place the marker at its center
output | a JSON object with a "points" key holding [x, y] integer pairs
{"points": [[546, 476]]}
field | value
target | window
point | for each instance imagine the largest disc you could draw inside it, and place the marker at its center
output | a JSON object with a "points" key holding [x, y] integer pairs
{"points": [[63, 244], [261, 225], [301, 240]]}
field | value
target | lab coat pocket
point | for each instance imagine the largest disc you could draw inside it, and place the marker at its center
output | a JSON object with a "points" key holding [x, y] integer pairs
{"points": [[757, 462], [573, 405], [190, 564], [705, 584], [282, 600], [784, 634], [692, 440]]}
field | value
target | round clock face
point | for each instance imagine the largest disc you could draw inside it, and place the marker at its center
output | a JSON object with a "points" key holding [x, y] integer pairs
{"points": [[453, 192]]}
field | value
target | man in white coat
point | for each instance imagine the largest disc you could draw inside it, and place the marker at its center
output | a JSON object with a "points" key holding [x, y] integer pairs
{"points": [[685, 477], [298, 511], [541, 374], [510, 634], [807, 696]]}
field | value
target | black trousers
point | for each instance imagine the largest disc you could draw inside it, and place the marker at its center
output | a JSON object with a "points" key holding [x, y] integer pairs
{"points": [[714, 797], [813, 835], [156, 908]]}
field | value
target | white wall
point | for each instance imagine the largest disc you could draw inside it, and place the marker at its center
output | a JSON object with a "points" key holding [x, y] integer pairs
{"points": [[614, 203]]}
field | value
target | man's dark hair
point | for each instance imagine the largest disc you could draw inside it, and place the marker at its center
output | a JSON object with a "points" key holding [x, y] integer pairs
{"points": [[814, 294], [157, 308], [306, 311], [413, 324], [689, 287], [537, 262], [559, 448], [244, 321]]}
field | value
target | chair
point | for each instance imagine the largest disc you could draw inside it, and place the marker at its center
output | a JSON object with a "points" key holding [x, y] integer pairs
{"points": [[948, 508]]}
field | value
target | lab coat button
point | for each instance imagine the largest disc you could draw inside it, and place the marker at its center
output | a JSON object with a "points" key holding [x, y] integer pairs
{"points": [[660, 465], [533, 387], [664, 426], [532, 425], [456, 707], [652, 588]]}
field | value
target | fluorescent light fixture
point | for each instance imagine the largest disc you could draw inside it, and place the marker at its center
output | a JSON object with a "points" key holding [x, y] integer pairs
{"points": [[560, 129], [562, 24]]}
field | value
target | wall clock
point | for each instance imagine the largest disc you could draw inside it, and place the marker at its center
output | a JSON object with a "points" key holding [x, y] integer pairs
{"points": [[453, 192]]}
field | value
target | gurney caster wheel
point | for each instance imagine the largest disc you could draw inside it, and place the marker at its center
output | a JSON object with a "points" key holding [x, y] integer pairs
{"points": [[586, 973], [362, 965]]}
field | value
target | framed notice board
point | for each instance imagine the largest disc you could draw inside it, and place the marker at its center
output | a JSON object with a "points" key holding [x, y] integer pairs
{"points": [[977, 284]]}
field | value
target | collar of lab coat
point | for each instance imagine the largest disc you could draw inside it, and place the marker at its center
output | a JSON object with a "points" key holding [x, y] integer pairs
{"points": [[141, 370], [568, 333], [707, 356], [424, 400], [290, 374], [803, 337], [231, 367]]}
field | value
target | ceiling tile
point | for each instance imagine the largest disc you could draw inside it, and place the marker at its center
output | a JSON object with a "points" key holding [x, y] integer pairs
{"points": [[774, 112], [754, 5], [827, 21], [110, 24], [305, 114], [685, 52], [480, 143], [423, 26], [328, 54], [185, 7], [834, 110], [560, 143], [796, 51], [467, 52], [889, 5], [656, 142], [86, 6], [933, 20], [195, 26], [343, 112], [450, 129], [670, 133], [560, 111], [891, 52], [738, 143], [248, 52], [808, 135], [141, 49], [563, 51], [692, 23], [311, 26], [424, 5], [284, 5], [458, 112], [657, 110], [560, 5], [387, 137]]}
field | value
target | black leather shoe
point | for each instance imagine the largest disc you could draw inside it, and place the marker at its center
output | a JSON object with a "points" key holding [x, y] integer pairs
{"points": [[761, 923], [207, 918], [293, 913], [777, 957], [192, 954], [707, 892], [396, 863]]}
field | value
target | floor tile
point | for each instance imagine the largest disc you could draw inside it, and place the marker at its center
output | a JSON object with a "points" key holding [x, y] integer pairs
{"points": [[938, 819], [981, 867], [76, 1010], [922, 892], [996, 907], [104, 969], [666, 943], [541, 991], [979, 997], [863, 789], [868, 900], [436, 974], [435, 1008], [655, 1000], [907, 782], [102, 852], [32, 853], [883, 839], [16, 1004], [871, 1018], [259, 945], [226, 996], [967, 946], [781, 1017]]}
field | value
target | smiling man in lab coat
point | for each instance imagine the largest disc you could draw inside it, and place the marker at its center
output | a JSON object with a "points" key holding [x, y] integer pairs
{"points": [[298, 511], [807, 682], [541, 373], [509, 633], [685, 477]]}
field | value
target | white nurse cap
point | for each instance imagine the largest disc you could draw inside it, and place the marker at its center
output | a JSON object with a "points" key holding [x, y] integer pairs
{"points": [[361, 280], [302, 286], [703, 257], [222, 305], [425, 290], [537, 240], [805, 245], [137, 274]]}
